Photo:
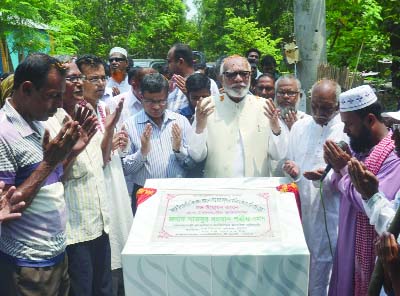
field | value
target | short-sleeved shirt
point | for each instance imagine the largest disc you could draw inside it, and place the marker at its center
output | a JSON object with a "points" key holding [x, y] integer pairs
{"points": [[38, 237]]}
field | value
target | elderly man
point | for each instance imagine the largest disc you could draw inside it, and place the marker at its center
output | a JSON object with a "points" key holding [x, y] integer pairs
{"points": [[118, 82], [32, 248], [237, 120], [158, 136], [371, 143], [180, 63], [305, 155], [284, 113]]}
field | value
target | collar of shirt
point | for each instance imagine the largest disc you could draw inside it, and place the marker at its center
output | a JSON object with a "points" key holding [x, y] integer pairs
{"points": [[143, 118], [20, 123]]}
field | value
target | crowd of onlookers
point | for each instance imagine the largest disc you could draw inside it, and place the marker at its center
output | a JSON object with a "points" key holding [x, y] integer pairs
{"points": [[77, 142]]}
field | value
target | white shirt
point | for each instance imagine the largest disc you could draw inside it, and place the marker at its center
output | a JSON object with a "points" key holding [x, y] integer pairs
{"points": [[124, 86], [306, 140]]}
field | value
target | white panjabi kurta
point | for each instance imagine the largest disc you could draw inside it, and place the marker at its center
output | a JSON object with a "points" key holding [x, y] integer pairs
{"points": [[306, 142], [237, 141]]}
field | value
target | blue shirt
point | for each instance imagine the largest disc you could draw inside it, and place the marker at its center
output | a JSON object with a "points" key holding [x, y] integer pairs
{"points": [[161, 161]]}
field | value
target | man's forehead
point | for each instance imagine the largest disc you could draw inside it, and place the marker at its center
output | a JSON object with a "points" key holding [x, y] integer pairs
{"points": [[89, 69], [117, 55], [236, 64], [253, 53], [287, 83], [72, 69], [265, 79]]}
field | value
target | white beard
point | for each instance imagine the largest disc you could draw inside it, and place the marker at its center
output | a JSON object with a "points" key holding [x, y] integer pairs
{"points": [[235, 92]]}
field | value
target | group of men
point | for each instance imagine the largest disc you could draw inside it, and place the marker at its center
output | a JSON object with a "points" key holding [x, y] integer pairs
{"points": [[71, 139]]}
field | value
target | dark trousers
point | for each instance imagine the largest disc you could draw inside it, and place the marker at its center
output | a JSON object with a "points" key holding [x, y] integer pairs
{"points": [[34, 281], [90, 267]]}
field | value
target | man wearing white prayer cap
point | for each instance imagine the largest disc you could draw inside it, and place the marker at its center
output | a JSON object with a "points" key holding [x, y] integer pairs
{"points": [[118, 82], [371, 143]]}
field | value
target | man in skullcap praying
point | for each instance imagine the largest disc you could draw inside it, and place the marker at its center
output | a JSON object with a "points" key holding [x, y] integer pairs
{"points": [[371, 143]]}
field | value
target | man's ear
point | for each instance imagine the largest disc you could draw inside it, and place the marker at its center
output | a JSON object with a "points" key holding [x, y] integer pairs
{"points": [[27, 87], [370, 119]]}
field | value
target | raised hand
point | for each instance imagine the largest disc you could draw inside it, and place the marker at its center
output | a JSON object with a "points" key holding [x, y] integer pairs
{"points": [[60, 147], [113, 118], [145, 139], [204, 108], [365, 182], [272, 113], [180, 83], [291, 168], [89, 123], [335, 156], [115, 91], [176, 137], [290, 118], [8, 209]]}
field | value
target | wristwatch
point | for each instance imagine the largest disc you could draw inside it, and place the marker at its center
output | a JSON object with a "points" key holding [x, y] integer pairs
{"points": [[176, 151]]}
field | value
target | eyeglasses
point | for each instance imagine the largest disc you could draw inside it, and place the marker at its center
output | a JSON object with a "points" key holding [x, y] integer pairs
{"points": [[75, 78], [155, 102], [96, 79], [242, 74], [289, 93], [118, 60]]}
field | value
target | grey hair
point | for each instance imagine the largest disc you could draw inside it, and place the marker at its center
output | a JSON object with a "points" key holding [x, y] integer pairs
{"points": [[288, 76], [298, 83]]}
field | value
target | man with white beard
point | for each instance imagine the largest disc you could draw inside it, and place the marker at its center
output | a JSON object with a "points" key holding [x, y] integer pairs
{"points": [[232, 130]]}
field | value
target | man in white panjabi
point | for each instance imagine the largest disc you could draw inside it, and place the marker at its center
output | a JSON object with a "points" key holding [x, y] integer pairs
{"points": [[305, 165], [231, 130]]}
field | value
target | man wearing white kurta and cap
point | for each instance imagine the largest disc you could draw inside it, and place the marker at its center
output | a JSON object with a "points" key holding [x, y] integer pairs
{"points": [[371, 143], [118, 82], [305, 154], [232, 130]]}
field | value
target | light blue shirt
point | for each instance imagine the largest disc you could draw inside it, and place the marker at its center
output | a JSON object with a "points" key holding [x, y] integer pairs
{"points": [[161, 162]]}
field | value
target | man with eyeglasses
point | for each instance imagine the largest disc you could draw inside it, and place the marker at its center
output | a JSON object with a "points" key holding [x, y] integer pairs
{"points": [[158, 136], [132, 105], [265, 86], [100, 249], [118, 82], [237, 120], [283, 113]]}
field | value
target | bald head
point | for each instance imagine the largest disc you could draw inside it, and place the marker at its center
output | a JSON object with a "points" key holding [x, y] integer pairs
{"points": [[324, 100]]}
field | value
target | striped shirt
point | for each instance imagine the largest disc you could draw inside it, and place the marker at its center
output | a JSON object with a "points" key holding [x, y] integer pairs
{"points": [[38, 237], [161, 162], [85, 191]]}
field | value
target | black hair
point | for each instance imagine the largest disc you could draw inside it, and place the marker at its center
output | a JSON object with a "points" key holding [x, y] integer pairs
{"points": [[268, 60], [375, 108], [269, 75], [183, 51], [154, 83], [253, 50], [35, 68], [196, 82], [132, 73], [89, 60]]}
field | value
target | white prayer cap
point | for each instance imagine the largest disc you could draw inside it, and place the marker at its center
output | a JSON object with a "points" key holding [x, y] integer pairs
{"points": [[357, 98], [394, 115], [119, 50]]}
